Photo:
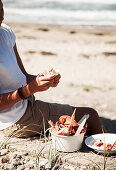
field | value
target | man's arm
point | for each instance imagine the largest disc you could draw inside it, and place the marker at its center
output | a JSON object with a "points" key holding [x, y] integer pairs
{"points": [[35, 84], [9, 99], [29, 77]]}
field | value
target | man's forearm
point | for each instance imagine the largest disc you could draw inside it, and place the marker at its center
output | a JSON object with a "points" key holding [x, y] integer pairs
{"points": [[29, 78], [9, 99]]}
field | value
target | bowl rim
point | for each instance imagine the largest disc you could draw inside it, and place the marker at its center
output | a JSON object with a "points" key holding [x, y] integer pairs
{"points": [[67, 136]]}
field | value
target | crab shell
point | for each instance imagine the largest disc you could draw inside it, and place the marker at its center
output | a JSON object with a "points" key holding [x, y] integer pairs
{"points": [[66, 120]]}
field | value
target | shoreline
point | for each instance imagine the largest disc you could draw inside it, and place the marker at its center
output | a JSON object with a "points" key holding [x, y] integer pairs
{"points": [[83, 27]]}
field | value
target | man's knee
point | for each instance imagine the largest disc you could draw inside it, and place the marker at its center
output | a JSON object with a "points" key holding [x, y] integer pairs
{"points": [[93, 114]]}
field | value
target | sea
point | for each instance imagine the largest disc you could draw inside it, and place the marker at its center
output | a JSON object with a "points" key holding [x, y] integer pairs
{"points": [[62, 12]]}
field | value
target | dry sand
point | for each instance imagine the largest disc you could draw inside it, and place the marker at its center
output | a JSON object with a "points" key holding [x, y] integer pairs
{"points": [[86, 58]]}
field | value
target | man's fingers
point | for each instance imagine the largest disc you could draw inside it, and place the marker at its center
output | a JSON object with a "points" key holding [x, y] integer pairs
{"points": [[55, 83]]}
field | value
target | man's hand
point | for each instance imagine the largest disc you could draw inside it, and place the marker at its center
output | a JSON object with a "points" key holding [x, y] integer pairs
{"points": [[44, 81], [56, 81]]}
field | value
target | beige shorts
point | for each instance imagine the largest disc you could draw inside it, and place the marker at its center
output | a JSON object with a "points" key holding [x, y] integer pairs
{"points": [[36, 117]]}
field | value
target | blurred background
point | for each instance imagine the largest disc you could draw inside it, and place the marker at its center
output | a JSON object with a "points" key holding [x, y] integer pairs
{"points": [[67, 12]]}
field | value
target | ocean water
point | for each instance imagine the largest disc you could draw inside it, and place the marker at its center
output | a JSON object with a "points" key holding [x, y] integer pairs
{"points": [[62, 12]]}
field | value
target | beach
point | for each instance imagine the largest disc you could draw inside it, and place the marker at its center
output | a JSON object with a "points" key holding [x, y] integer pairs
{"points": [[86, 60]]}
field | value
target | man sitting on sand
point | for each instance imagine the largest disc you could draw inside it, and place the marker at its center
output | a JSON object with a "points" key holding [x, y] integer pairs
{"points": [[18, 107]]}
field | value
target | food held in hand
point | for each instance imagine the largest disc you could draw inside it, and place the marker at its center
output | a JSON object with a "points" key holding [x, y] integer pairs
{"points": [[66, 126], [52, 72], [55, 71]]}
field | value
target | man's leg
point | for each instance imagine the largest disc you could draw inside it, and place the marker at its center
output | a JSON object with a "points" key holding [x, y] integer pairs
{"points": [[94, 124]]}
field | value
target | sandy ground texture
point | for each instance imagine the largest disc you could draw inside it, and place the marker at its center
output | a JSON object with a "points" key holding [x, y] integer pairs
{"points": [[86, 59]]}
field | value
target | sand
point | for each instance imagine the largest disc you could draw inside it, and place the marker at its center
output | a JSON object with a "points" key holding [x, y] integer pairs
{"points": [[86, 59]]}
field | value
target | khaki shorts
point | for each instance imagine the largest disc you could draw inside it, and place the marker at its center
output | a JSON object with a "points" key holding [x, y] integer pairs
{"points": [[36, 117]]}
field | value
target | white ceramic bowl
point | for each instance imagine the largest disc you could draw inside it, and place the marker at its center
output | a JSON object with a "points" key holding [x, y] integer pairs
{"points": [[107, 138], [67, 143]]}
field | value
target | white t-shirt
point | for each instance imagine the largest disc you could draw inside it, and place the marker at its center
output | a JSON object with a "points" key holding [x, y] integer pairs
{"points": [[11, 77]]}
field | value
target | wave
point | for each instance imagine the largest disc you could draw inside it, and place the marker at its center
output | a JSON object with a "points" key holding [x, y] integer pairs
{"points": [[67, 12], [62, 17], [65, 1], [66, 4], [43, 12]]}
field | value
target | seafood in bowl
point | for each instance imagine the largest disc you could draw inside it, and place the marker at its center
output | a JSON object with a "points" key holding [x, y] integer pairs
{"points": [[66, 126], [64, 133]]}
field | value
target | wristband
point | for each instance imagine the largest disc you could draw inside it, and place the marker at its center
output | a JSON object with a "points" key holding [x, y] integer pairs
{"points": [[20, 93]]}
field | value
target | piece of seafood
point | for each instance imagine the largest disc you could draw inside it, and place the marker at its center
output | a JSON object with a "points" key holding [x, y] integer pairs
{"points": [[66, 125], [101, 145], [51, 72]]}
